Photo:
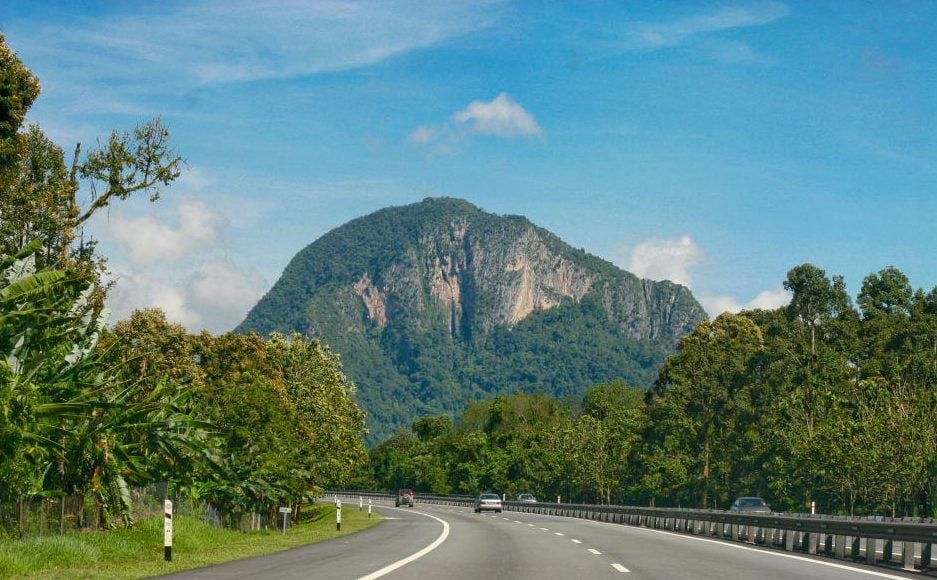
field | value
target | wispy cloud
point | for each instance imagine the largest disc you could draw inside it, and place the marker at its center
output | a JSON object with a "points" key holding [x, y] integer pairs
{"points": [[652, 36], [707, 34], [140, 60], [500, 117]]}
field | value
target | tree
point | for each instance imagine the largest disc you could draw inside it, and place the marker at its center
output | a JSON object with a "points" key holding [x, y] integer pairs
{"points": [[40, 197]]}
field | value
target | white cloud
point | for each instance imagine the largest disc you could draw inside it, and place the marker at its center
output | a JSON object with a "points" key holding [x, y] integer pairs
{"points": [[502, 117], [223, 294], [134, 291], [660, 259], [766, 300], [653, 36], [148, 240], [422, 135], [663, 259]]}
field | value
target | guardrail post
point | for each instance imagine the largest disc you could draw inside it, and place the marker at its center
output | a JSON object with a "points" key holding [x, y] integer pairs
{"points": [[926, 552], [888, 551], [789, 540], [871, 544], [839, 547]]}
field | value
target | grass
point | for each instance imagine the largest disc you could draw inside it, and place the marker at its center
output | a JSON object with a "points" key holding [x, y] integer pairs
{"points": [[138, 552]]}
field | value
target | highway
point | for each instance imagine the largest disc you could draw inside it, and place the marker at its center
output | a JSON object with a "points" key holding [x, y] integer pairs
{"points": [[433, 541]]}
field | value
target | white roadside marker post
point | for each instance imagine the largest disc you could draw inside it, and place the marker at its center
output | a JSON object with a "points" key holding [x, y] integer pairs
{"points": [[369, 508], [285, 511], [338, 515], [167, 530], [360, 503]]}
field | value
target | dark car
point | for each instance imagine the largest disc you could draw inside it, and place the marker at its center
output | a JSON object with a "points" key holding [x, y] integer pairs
{"points": [[404, 497], [751, 505]]}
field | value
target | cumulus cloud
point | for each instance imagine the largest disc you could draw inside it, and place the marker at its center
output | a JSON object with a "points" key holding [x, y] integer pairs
{"points": [[502, 117], [766, 300], [223, 294], [148, 240], [674, 259], [135, 291], [661, 259]]}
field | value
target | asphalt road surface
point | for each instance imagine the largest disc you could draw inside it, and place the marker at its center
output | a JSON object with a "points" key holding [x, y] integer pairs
{"points": [[432, 541]]}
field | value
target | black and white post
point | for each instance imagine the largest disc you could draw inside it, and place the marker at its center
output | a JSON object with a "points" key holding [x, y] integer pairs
{"points": [[338, 515], [167, 530]]}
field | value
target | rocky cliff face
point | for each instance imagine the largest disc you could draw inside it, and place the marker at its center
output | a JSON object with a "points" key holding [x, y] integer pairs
{"points": [[416, 298]]}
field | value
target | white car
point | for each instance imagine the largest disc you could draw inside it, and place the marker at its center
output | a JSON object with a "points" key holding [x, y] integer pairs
{"points": [[488, 501]]}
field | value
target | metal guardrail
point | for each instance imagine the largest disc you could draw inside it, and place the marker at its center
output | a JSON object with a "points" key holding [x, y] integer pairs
{"points": [[906, 542]]}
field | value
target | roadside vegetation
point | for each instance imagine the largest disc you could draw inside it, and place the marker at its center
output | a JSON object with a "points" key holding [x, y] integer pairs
{"points": [[89, 414], [819, 401], [138, 552]]}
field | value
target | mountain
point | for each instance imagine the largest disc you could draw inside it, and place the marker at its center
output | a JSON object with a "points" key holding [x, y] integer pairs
{"points": [[436, 303]]}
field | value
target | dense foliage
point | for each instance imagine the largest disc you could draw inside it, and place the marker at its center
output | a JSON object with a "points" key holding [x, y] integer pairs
{"points": [[244, 422], [429, 357], [814, 402]]}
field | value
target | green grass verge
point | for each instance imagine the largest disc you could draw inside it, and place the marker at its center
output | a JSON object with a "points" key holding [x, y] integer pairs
{"points": [[138, 552]]}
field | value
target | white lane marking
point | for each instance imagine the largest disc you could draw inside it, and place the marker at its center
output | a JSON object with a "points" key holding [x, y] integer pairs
{"points": [[531, 525], [559, 533], [765, 551], [575, 541], [545, 529], [517, 522], [415, 556], [506, 519], [596, 552], [620, 568]]}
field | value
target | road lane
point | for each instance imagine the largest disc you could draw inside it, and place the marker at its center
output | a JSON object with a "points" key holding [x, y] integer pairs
{"points": [[403, 533], [521, 545]]}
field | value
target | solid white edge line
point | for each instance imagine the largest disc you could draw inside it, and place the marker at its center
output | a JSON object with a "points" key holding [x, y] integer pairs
{"points": [[620, 568], [400, 563], [765, 551]]}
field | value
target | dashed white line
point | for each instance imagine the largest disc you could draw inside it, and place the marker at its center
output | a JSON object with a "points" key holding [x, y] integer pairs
{"points": [[545, 529], [517, 522], [596, 552], [620, 568], [575, 541], [531, 525], [559, 533]]}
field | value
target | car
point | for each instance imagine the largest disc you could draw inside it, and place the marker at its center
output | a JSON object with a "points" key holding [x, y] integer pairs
{"points": [[750, 505], [404, 497], [526, 498], [488, 501]]}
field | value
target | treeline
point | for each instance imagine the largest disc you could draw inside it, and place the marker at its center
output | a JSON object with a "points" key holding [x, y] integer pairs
{"points": [[820, 401], [243, 422]]}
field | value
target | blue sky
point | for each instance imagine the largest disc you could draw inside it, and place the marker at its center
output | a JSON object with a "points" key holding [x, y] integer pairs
{"points": [[715, 144]]}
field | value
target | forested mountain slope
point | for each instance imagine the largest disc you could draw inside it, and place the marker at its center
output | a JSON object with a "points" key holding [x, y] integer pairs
{"points": [[436, 303]]}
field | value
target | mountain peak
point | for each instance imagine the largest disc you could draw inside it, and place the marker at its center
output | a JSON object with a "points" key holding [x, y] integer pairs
{"points": [[431, 303]]}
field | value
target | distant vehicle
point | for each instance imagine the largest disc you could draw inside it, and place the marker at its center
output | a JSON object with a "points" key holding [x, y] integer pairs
{"points": [[526, 498], [404, 497], [488, 501], [751, 505]]}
